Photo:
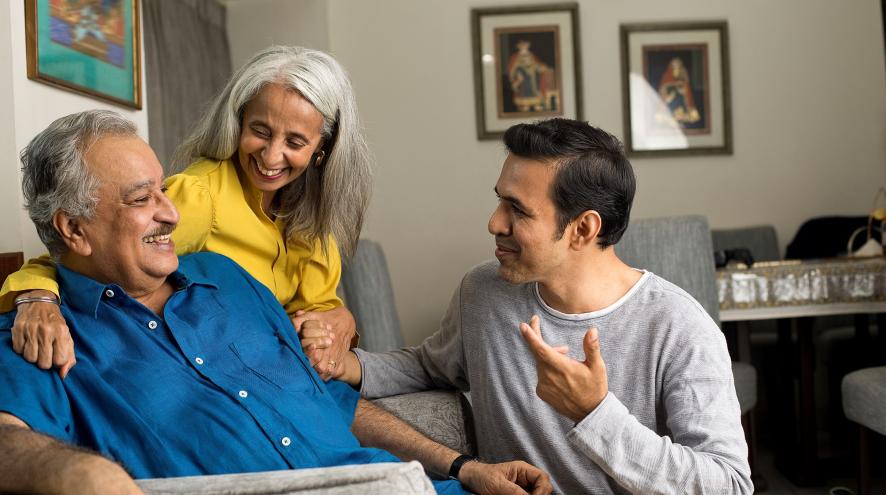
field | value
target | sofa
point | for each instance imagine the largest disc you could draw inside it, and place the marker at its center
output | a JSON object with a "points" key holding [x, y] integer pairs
{"points": [[442, 415]]}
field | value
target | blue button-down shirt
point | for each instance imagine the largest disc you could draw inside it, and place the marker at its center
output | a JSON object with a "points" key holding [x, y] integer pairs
{"points": [[216, 384]]}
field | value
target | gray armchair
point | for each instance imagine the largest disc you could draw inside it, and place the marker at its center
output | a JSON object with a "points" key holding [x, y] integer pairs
{"points": [[864, 403], [680, 250], [442, 415]]}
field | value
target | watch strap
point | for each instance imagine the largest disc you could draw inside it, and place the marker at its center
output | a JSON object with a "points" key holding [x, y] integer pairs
{"points": [[458, 463]]}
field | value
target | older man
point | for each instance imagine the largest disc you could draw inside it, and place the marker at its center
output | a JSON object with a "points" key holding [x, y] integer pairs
{"points": [[619, 382], [186, 366]]}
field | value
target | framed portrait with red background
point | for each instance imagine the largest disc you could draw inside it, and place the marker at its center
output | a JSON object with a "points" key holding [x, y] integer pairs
{"points": [[526, 65], [675, 89]]}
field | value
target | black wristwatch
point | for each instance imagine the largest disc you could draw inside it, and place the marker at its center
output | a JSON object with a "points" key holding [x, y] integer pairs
{"points": [[458, 463]]}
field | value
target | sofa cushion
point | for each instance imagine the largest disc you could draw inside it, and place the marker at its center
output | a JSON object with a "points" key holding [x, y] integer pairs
{"points": [[864, 398], [382, 478], [441, 415]]}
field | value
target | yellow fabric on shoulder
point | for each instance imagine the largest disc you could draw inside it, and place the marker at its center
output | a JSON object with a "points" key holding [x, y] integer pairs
{"points": [[221, 215], [37, 273]]}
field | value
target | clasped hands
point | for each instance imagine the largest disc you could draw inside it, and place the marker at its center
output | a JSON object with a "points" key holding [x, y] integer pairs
{"points": [[326, 338], [573, 388]]}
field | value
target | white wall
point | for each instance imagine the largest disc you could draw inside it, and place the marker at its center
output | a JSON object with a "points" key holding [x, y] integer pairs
{"points": [[256, 24], [28, 107], [808, 119], [808, 125]]}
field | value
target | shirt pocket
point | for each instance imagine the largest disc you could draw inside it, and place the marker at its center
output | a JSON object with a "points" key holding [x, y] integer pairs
{"points": [[270, 360]]}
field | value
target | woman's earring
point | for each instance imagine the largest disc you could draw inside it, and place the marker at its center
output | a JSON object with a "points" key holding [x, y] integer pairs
{"points": [[318, 158]]}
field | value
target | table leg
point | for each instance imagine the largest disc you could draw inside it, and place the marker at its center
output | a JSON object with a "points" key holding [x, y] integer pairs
{"points": [[808, 470], [880, 346], [797, 453], [785, 433]]}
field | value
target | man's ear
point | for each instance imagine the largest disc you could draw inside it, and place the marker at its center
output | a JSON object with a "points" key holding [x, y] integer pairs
{"points": [[71, 231], [585, 229]]}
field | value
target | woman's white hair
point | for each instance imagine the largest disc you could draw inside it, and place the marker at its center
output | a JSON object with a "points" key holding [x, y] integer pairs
{"points": [[325, 200]]}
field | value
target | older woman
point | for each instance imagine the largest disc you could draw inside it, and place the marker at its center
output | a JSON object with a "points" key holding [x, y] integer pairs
{"points": [[279, 179]]}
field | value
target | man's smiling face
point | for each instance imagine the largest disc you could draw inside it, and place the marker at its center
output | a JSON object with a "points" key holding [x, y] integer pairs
{"points": [[127, 241], [525, 222]]}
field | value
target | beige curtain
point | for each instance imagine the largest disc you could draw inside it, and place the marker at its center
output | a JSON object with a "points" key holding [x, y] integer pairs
{"points": [[187, 62]]}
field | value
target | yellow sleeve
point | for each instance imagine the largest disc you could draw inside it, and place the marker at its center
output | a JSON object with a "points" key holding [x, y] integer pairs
{"points": [[196, 212], [37, 273], [320, 274]]}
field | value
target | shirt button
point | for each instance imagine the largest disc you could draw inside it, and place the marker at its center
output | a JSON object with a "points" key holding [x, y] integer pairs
{"points": [[152, 324], [199, 360], [243, 394], [286, 441], [109, 293]]}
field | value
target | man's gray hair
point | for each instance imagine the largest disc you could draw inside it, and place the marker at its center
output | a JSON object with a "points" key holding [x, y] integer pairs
{"points": [[54, 173], [330, 199]]}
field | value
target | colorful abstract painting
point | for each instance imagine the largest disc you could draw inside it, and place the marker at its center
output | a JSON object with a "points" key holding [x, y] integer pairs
{"points": [[89, 46]]}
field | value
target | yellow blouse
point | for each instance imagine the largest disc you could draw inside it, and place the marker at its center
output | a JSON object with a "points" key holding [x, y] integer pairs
{"points": [[222, 214]]}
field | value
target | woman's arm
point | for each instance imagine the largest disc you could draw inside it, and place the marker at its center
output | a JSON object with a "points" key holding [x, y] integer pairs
{"points": [[325, 326], [37, 273], [39, 333]]}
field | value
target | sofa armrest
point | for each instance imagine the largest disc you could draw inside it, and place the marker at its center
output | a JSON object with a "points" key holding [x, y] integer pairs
{"points": [[441, 415], [375, 479]]}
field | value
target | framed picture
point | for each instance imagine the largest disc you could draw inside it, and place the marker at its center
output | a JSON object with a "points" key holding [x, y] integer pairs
{"points": [[90, 47], [675, 89], [526, 65]]}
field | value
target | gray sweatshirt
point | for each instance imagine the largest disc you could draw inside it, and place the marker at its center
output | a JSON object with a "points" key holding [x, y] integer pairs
{"points": [[669, 424]]}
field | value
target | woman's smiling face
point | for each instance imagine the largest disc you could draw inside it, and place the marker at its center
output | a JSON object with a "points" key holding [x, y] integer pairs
{"points": [[279, 133]]}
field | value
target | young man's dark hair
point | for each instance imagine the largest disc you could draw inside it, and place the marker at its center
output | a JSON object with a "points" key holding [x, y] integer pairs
{"points": [[593, 172]]}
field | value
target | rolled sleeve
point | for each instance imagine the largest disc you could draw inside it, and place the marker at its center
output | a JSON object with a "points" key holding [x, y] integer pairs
{"points": [[35, 396], [345, 397]]}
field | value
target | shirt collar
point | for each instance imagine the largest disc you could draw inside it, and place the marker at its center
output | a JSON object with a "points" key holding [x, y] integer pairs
{"points": [[84, 294]]}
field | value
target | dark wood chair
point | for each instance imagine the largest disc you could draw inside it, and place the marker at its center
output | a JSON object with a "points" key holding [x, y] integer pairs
{"points": [[10, 263]]}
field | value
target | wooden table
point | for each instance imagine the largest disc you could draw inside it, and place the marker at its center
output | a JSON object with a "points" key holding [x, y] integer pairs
{"points": [[795, 292]]}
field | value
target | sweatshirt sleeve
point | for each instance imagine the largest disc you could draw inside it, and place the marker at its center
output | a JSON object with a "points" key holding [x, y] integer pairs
{"points": [[438, 362], [708, 453], [37, 273]]}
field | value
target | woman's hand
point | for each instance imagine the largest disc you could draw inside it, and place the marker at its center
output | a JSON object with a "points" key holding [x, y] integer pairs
{"points": [[41, 335], [326, 338]]}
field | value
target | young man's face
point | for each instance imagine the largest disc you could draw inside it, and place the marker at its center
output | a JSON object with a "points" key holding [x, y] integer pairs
{"points": [[525, 223]]}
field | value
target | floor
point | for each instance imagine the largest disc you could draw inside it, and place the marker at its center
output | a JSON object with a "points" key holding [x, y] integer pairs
{"points": [[779, 485], [837, 436]]}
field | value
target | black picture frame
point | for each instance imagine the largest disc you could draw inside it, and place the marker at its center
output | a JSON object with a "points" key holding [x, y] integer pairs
{"points": [[527, 65], [675, 89]]}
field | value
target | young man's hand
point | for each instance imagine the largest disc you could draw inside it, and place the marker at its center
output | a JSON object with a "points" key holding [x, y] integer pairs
{"points": [[573, 388]]}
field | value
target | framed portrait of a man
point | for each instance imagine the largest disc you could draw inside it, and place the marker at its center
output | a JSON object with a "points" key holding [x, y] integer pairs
{"points": [[675, 89], [526, 65]]}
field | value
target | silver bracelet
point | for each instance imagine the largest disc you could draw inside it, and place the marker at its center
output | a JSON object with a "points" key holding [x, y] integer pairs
{"points": [[46, 299]]}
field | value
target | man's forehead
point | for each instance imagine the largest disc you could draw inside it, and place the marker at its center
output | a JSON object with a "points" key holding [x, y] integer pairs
{"points": [[525, 173], [125, 163]]}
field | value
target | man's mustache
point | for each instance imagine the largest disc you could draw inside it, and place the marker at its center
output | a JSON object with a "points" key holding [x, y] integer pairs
{"points": [[164, 229]]}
